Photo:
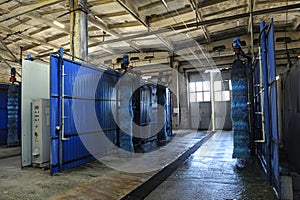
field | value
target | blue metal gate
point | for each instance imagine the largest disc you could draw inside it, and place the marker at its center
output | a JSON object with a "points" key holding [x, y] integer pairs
{"points": [[82, 102], [84, 108], [265, 106]]}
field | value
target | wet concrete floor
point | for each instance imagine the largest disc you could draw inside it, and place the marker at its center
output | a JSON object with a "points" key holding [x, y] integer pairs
{"points": [[93, 180], [210, 173]]}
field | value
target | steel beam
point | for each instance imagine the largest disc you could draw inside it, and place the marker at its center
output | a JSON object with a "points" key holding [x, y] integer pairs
{"points": [[105, 28], [152, 5], [131, 9], [205, 22], [26, 9], [200, 18], [1, 58], [10, 52]]}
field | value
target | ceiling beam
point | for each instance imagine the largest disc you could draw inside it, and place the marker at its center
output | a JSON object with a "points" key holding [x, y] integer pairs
{"points": [[99, 2], [123, 25], [39, 30], [206, 3], [200, 18], [205, 22], [272, 1], [10, 52], [239, 16], [104, 27], [29, 38], [50, 22], [131, 9], [152, 5], [181, 11], [296, 24], [224, 11], [19, 22], [27, 9], [1, 58], [114, 14]]}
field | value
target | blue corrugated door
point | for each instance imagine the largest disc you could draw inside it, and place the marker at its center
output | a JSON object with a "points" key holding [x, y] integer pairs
{"points": [[82, 102]]}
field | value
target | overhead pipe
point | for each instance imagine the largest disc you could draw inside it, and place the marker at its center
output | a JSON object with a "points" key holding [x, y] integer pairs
{"points": [[261, 93]]}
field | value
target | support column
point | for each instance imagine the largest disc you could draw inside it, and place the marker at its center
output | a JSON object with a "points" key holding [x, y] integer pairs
{"points": [[212, 96], [79, 29], [174, 85]]}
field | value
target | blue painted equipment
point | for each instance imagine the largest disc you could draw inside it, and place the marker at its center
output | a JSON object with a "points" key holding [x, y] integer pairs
{"points": [[236, 43]]}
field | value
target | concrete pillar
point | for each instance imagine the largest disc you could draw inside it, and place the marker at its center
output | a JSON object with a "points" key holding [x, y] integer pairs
{"points": [[174, 85], [184, 104], [79, 29]]}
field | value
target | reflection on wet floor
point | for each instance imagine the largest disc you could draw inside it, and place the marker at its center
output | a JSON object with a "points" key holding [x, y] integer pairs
{"points": [[210, 173]]}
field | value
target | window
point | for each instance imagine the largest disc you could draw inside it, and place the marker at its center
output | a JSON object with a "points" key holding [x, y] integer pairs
{"points": [[200, 91], [222, 90]]}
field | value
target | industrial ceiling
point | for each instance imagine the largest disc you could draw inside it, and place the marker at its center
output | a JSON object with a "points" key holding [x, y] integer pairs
{"points": [[150, 31]]}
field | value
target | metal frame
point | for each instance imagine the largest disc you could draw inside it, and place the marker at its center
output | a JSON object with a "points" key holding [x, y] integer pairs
{"points": [[265, 106]]}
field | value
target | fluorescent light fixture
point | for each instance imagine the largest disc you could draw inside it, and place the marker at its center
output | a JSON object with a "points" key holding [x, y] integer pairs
{"points": [[58, 24], [165, 3], [146, 77], [212, 71]]}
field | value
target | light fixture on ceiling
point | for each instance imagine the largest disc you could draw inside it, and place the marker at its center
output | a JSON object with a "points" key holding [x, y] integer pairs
{"points": [[146, 77], [58, 24], [212, 71], [165, 3]]}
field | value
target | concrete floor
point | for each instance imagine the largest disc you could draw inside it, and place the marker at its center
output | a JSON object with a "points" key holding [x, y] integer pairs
{"points": [[6, 152], [90, 181], [210, 173]]}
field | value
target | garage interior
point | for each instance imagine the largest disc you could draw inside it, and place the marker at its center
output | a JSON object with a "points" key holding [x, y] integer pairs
{"points": [[129, 99]]}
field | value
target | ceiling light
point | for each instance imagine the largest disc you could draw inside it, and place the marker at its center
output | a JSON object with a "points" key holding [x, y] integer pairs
{"points": [[58, 24], [146, 77], [212, 71]]}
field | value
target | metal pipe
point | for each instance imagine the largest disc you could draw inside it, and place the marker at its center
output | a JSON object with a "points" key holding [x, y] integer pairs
{"points": [[266, 109], [63, 104], [212, 94], [251, 28], [261, 93]]}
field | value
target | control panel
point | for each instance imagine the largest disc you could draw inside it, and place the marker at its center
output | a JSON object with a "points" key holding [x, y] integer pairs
{"points": [[40, 132]]}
